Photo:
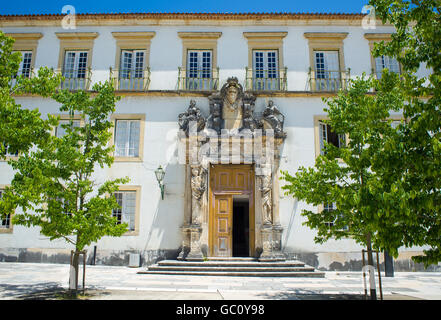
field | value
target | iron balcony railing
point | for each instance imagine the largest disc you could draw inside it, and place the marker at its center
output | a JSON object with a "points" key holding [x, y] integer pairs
{"points": [[266, 79], [198, 80], [328, 81], [130, 80], [76, 79]]}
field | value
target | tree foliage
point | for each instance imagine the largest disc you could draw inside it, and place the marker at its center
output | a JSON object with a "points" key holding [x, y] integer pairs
{"points": [[410, 165], [387, 183], [54, 183]]}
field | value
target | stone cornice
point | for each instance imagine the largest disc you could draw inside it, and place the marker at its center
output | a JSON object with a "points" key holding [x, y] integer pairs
{"points": [[76, 35], [200, 35], [133, 35], [25, 36], [325, 35], [220, 19]]}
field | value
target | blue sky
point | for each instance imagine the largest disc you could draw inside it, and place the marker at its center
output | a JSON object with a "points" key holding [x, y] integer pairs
{"points": [[91, 6]]}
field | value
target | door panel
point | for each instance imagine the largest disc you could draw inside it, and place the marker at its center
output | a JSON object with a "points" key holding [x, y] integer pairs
{"points": [[226, 181], [223, 215]]}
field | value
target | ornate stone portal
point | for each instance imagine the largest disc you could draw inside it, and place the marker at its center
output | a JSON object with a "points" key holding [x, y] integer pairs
{"points": [[231, 134]]}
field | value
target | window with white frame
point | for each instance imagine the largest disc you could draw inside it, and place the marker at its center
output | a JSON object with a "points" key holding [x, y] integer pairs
{"points": [[384, 62], [126, 213], [327, 70], [131, 70], [75, 69], [5, 220], [199, 70], [61, 129], [24, 68], [326, 135], [265, 70], [329, 207], [127, 135]]}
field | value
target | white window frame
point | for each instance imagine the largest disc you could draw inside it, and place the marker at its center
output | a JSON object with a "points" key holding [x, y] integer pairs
{"points": [[75, 70], [199, 69], [78, 70], [26, 57], [383, 62], [323, 136], [126, 150], [266, 69], [324, 71], [75, 124], [131, 70], [5, 223]]}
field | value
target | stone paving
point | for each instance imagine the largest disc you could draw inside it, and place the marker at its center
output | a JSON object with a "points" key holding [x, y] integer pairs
{"points": [[43, 281]]}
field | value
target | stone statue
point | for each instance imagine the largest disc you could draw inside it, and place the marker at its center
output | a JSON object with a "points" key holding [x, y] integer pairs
{"points": [[198, 187], [265, 189], [231, 94], [214, 120], [192, 114], [248, 117], [275, 118]]}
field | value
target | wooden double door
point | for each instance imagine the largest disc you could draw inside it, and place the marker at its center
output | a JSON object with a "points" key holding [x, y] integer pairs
{"points": [[231, 211]]}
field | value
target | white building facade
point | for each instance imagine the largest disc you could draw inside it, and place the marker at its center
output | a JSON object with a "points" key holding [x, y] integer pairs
{"points": [[164, 64]]}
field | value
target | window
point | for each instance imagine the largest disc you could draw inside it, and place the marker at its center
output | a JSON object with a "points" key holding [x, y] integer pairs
{"points": [[26, 44], [199, 60], [25, 67], [327, 72], [61, 129], [128, 137], [132, 60], [128, 198], [131, 72], [330, 137], [384, 62], [265, 70], [329, 207], [126, 213], [5, 221], [74, 61], [75, 70], [199, 70]]}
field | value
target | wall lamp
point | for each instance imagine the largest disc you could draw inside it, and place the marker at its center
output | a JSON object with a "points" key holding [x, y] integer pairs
{"points": [[160, 173]]}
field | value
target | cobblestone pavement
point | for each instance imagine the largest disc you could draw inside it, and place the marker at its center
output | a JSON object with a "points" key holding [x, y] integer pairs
{"points": [[47, 281]]}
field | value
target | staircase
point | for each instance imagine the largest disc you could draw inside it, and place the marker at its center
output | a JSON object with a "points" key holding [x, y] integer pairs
{"points": [[245, 267]]}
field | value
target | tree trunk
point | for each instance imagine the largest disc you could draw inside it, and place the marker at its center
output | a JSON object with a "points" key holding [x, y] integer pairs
{"points": [[371, 263], [74, 266]]}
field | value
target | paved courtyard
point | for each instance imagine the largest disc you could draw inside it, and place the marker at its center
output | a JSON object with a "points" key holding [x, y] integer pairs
{"points": [[43, 281]]}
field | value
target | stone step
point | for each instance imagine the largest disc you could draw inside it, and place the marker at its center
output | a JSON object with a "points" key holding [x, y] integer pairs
{"points": [[245, 267], [231, 263], [230, 269], [240, 274]]}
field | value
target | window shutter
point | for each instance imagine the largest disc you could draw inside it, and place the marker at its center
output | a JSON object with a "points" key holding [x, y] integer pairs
{"points": [[121, 137], [323, 136], [134, 139], [125, 64]]}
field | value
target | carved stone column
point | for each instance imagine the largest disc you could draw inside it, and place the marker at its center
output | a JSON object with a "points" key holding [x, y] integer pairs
{"points": [[198, 184]]}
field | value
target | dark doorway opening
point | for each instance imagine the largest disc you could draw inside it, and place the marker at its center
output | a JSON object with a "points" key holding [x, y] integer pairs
{"points": [[241, 227]]}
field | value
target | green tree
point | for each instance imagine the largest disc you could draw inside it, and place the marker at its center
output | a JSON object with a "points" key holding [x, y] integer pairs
{"points": [[54, 183], [21, 128], [343, 176], [409, 168]]}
